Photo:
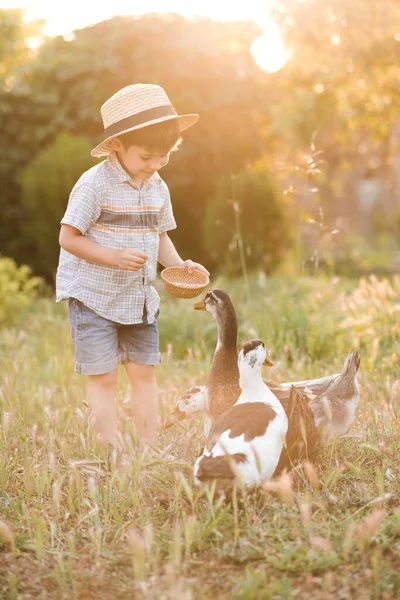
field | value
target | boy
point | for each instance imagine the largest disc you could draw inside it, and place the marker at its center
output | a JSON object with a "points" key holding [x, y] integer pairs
{"points": [[112, 235]]}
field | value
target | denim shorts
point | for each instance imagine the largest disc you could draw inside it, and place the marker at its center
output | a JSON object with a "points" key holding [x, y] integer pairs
{"points": [[101, 345]]}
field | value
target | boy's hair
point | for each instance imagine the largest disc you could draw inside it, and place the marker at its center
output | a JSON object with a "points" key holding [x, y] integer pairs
{"points": [[162, 137]]}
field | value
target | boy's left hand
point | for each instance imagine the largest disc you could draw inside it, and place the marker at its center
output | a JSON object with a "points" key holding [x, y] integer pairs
{"points": [[191, 266]]}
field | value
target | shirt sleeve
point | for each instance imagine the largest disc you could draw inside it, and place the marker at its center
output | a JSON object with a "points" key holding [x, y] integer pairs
{"points": [[166, 220], [83, 208]]}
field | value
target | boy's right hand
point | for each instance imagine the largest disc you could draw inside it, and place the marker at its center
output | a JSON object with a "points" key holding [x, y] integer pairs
{"points": [[130, 259]]}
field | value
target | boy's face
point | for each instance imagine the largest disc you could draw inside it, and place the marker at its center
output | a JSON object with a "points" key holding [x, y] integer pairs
{"points": [[140, 162]]}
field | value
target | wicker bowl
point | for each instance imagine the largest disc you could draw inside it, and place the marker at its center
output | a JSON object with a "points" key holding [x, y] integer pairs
{"points": [[179, 282]]}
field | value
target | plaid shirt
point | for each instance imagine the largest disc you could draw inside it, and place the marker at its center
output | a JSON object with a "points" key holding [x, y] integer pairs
{"points": [[110, 209]]}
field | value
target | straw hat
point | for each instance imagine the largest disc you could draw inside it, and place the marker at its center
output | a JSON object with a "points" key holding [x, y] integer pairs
{"points": [[134, 107]]}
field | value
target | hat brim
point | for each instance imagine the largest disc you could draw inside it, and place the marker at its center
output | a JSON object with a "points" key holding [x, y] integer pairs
{"points": [[184, 121]]}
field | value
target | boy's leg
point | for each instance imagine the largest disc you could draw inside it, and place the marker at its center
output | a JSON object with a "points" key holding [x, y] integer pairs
{"points": [[101, 395], [144, 399], [96, 349], [139, 351]]}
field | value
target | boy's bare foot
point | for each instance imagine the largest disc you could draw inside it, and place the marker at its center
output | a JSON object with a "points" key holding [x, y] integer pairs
{"points": [[118, 461]]}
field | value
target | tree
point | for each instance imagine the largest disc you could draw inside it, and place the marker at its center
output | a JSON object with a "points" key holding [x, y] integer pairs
{"points": [[340, 83], [24, 123], [246, 225], [46, 184], [15, 50]]}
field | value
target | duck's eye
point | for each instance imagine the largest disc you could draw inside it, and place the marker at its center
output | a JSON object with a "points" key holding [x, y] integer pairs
{"points": [[213, 298]]}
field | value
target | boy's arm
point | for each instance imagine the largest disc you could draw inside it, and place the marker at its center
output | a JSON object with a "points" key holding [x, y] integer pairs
{"points": [[169, 257], [72, 240], [84, 208]]}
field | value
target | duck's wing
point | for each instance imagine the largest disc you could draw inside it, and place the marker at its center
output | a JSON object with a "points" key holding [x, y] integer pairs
{"points": [[302, 439], [231, 441], [244, 422], [343, 382], [313, 387]]}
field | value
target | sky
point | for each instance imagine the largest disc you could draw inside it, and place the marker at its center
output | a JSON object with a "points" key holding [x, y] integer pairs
{"points": [[64, 17]]}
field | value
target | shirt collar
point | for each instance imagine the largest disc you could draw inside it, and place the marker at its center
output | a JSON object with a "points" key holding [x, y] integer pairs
{"points": [[123, 176]]}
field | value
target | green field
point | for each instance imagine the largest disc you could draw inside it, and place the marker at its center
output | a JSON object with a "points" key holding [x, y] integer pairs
{"points": [[72, 528]]}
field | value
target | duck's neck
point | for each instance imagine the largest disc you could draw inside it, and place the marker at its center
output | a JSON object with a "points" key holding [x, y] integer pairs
{"points": [[224, 370], [250, 377], [253, 387], [227, 329]]}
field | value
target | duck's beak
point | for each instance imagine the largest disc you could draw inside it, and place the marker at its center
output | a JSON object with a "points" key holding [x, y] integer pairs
{"points": [[268, 362], [177, 415], [201, 305]]}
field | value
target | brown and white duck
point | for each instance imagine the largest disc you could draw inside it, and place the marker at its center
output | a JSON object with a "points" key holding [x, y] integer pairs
{"points": [[250, 434]]}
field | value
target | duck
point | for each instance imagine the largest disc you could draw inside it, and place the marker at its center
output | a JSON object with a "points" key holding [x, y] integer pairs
{"points": [[222, 388], [335, 407], [245, 442]]}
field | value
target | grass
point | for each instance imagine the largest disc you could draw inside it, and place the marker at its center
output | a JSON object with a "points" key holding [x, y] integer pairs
{"points": [[71, 527]]}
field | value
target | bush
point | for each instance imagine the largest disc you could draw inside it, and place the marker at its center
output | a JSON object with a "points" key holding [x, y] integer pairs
{"points": [[46, 184], [246, 221], [372, 315], [18, 289]]}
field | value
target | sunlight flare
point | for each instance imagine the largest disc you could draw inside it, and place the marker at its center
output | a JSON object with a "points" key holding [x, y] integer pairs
{"points": [[269, 50]]}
